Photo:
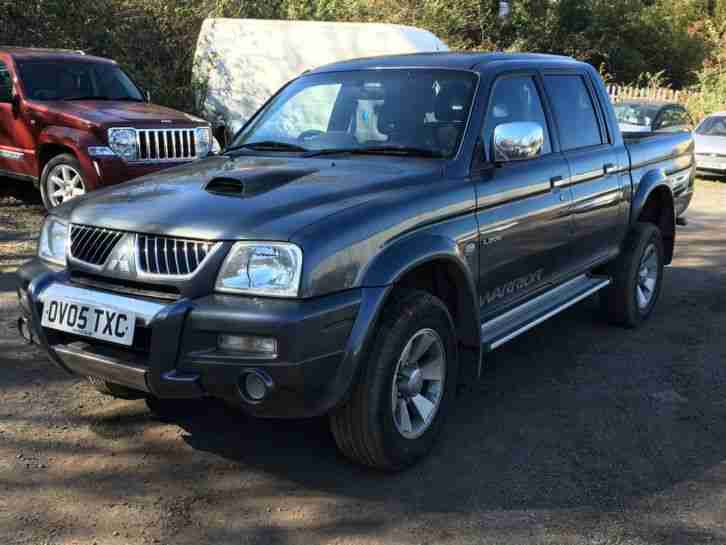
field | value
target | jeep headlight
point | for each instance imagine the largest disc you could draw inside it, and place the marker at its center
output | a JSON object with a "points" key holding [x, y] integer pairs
{"points": [[203, 138], [123, 143], [53, 241], [261, 268]]}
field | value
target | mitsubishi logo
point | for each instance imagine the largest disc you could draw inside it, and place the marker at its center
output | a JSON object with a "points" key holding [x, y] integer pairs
{"points": [[121, 263], [122, 258]]}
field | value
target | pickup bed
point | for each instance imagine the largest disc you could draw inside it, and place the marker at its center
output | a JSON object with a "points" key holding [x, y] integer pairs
{"points": [[368, 237]]}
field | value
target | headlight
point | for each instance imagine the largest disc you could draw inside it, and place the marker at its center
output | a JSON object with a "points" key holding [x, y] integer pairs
{"points": [[260, 268], [53, 241], [123, 143], [203, 139]]}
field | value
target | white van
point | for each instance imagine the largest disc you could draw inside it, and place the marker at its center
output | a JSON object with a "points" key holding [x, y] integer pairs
{"points": [[240, 63]]}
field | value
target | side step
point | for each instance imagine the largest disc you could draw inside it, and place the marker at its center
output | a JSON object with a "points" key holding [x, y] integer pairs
{"points": [[506, 327]]}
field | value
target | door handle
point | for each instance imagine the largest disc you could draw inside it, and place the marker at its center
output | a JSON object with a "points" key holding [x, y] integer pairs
{"points": [[557, 181], [609, 168]]}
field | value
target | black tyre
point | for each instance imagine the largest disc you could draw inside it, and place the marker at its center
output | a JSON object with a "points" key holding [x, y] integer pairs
{"points": [[637, 277], [407, 385], [61, 180], [115, 390]]}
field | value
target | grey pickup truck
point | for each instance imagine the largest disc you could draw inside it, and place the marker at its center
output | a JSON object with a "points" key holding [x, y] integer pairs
{"points": [[375, 230]]}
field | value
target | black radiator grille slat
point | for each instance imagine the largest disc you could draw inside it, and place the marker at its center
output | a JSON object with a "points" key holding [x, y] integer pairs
{"points": [[166, 256], [158, 255], [93, 244]]}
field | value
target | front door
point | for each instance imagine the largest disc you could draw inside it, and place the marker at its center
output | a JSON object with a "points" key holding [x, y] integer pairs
{"points": [[523, 206]]}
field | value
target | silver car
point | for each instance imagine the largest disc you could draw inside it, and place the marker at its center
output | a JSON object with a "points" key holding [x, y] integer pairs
{"points": [[710, 138], [645, 116]]}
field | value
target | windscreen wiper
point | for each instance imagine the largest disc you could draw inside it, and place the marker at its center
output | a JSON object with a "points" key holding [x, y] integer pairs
{"points": [[267, 145], [379, 150]]}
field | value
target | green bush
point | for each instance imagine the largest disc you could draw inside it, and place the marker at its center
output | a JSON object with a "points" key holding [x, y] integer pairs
{"points": [[155, 39]]}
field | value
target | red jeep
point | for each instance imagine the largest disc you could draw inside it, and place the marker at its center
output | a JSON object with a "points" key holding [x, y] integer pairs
{"points": [[71, 123]]}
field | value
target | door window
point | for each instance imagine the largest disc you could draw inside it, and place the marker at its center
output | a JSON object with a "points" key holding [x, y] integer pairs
{"points": [[6, 83], [574, 111], [515, 99]]}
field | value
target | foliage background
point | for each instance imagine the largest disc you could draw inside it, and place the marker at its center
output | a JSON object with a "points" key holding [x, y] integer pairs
{"points": [[684, 41]]}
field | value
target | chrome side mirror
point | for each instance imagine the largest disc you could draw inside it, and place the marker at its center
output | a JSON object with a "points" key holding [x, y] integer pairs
{"points": [[517, 141]]}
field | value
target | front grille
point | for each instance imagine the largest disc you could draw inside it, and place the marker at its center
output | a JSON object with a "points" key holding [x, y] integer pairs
{"points": [[166, 144], [93, 244], [170, 256]]}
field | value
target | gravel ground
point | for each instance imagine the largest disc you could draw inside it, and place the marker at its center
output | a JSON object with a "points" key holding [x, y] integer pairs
{"points": [[579, 433]]}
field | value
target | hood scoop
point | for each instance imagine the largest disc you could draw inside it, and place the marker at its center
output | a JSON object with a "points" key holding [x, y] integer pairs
{"points": [[255, 181]]}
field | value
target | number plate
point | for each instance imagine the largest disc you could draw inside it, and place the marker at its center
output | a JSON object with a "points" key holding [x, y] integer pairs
{"points": [[107, 324]]}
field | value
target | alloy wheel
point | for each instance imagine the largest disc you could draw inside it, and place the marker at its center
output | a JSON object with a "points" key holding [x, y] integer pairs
{"points": [[418, 383], [64, 183], [647, 277]]}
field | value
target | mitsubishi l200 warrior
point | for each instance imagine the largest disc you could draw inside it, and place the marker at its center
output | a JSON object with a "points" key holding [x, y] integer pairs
{"points": [[70, 123], [372, 233]]}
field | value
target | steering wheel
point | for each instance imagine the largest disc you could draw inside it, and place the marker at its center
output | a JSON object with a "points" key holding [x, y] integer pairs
{"points": [[310, 134]]}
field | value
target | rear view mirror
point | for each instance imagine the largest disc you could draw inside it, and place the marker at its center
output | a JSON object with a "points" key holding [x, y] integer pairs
{"points": [[517, 141]]}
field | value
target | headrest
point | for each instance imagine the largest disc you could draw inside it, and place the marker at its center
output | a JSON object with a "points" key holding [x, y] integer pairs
{"points": [[389, 115], [452, 102]]}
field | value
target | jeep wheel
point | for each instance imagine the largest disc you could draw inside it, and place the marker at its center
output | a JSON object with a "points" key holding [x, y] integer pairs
{"points": [[408, 382], [637, 277], [61, 181]]}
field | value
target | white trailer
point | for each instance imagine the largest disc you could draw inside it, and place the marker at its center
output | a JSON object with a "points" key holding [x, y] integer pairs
{"points": [[240, 63]]}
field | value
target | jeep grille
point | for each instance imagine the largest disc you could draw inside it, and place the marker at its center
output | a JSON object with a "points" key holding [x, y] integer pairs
{"points": [[155, 145]]}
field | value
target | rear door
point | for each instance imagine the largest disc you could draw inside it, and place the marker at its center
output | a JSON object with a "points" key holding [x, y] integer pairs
{"points": [[9, 154], [522, 211], [596, 180]]}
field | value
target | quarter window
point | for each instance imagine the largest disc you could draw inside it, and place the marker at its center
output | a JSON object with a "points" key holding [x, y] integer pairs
{"points": [[515, 99], [574, 111]]}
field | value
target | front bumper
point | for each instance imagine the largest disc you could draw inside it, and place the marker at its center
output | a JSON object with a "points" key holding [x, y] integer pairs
{"points": [[319, 343], [711, 163]]}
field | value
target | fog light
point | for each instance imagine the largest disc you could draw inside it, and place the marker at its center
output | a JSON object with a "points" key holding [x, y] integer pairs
{"points": [[249, 346], [255, 387]]}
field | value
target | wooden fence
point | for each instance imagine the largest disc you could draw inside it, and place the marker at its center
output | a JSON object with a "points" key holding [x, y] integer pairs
{"points": [[619, 93]]}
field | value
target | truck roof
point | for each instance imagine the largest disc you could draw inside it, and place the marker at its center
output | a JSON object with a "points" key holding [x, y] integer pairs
{"points": [[457, 60], [38, 53]]}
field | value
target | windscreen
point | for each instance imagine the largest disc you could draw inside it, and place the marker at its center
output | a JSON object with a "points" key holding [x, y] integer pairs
{"points": [[68, 80], [713, 126], [419, 109]]}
